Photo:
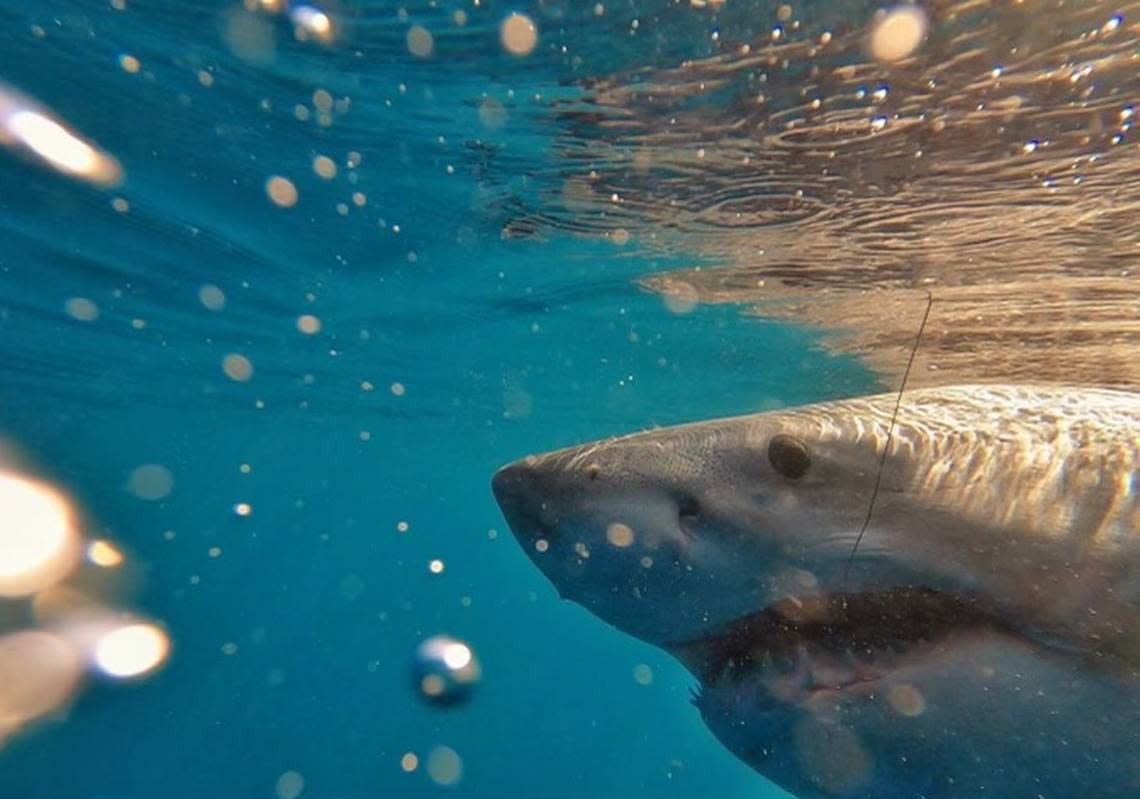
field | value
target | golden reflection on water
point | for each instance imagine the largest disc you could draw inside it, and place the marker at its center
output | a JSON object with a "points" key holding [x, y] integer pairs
{"points": [[983, 152]]}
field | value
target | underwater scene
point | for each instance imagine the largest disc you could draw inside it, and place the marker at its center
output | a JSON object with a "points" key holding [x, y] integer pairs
{"points": [[632, 398]]}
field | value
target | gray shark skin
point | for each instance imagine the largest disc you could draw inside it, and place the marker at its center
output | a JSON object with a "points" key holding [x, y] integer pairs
{"points": [[984, 638]]}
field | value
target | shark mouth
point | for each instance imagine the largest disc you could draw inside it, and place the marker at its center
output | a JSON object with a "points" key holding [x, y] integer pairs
{"points": [[802, 647]]}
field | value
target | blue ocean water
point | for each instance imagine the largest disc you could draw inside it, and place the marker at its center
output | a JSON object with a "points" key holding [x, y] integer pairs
{"points": [[291, 642]]}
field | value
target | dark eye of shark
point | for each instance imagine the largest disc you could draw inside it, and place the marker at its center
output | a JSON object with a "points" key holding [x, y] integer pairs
{"points": [[789, 456], [688, 509]]}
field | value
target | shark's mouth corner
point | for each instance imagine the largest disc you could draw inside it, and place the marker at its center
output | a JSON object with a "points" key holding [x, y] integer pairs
{"points": [[807, 646]]}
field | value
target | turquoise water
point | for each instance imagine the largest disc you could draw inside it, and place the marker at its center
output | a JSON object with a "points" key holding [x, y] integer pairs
{"points": [[502, 347]]}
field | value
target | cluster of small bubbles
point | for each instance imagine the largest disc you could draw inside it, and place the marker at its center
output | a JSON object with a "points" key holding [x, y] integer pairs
{"points": [[151, 481], [445, 670], [82, 309], [237, 367]]}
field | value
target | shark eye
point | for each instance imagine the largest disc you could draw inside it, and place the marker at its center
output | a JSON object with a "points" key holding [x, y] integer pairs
{"points": [[789, 456], [688, 509]]}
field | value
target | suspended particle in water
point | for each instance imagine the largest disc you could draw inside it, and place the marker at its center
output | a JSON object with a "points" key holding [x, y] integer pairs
{"points": [[619, 535], [681, 297], [642, 674], [120, 205], [420, 42], [444, 670], [308, 324], [151, 481], [896, 34], [444, 766], [250, 36], [104, 553], [82, 309], [518, 34], [229, 648], [436, 566], [398, 389], [129, 63], [311, 23], [243, 509], [131, 650], [906, 700], [290, 785], [281, 191], [325, 167], [401, 527], [212, 297], [492, 113], [409, 762], [237, 367]]}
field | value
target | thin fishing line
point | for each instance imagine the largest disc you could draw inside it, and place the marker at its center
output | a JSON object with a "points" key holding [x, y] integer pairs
{"points": [[890, 437]]}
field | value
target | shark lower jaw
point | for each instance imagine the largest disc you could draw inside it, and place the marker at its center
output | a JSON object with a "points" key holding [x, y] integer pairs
{"points": [[804, 650]]}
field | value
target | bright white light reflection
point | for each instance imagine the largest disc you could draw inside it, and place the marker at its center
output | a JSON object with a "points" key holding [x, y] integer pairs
{"points": [[131, 650], [26, 125], [37, 536], [456, 655]]}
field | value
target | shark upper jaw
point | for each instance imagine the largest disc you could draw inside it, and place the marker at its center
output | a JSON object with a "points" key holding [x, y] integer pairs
{"points": [[803, 650]]}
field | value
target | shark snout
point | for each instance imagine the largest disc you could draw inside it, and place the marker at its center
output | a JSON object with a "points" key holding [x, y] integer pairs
{"points": [[520, 489]]}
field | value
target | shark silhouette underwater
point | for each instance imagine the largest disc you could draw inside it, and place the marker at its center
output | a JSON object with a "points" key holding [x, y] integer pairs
{"points": [[983, 638]]}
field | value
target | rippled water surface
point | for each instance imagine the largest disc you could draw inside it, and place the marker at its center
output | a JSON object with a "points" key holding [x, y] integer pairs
{"points": [[270, 323]]}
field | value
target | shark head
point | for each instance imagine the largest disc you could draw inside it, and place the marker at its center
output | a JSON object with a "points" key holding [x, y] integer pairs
{"points": [[673, 534], [732, 545]]}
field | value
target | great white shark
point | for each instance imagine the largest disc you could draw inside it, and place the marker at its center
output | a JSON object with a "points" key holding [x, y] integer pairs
{"points": [[973, 632]]}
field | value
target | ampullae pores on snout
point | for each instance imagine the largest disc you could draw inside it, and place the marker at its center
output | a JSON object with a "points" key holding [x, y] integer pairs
{"points": [[984, 639]]}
